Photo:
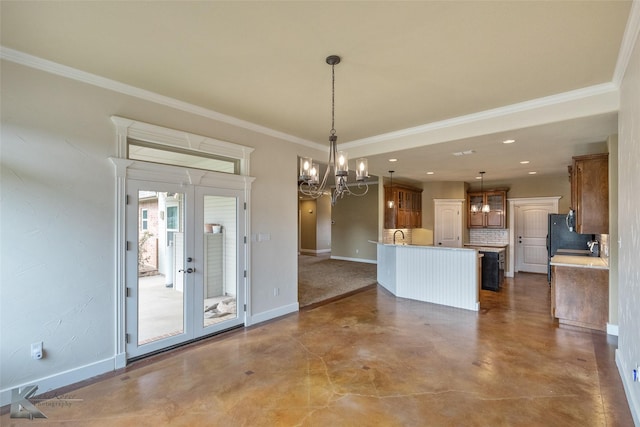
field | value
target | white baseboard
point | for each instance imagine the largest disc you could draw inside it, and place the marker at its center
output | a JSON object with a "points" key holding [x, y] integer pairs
{"points": [[612, 329], [631, 389], [315, 251], [272, 314], [368, 261], [63, 379]]}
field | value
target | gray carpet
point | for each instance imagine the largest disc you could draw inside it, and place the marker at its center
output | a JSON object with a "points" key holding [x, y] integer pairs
{"points": [[321, 278]]}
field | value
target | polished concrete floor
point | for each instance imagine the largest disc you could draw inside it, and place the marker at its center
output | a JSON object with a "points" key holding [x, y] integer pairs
{"points": [[371, 360]]}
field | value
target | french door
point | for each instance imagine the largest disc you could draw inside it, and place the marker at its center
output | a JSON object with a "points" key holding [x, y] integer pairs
{"points": [[184, 263]]}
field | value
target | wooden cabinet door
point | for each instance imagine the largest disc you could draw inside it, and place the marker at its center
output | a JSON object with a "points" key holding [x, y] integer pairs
{"points": [[496, 201], [407, 209], [475, 219], [591, 175]]}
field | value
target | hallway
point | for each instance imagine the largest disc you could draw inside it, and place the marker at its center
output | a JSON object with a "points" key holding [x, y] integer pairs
{"points": [[371, 359]]}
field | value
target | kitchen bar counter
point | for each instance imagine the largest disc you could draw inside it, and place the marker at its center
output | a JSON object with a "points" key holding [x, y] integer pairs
{"points": [[440, 275], [486, 248], [580, 261]]}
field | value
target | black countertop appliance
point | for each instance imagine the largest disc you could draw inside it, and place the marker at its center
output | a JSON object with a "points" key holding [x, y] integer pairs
{"points": [[559, 237]]}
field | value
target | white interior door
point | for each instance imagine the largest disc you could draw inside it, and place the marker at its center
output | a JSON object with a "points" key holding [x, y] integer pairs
{"points": [[530, 239], [448, 223], [184, 279]]}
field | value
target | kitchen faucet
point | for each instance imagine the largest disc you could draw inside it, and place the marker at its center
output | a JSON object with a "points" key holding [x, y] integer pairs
{"points": [[394, 235]]}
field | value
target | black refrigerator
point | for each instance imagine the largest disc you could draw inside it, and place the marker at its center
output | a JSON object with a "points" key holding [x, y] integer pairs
{"points": [[559, 237]]}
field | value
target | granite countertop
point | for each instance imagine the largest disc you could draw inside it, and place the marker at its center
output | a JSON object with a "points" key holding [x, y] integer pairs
{"points": [[580, 261], [409, 245], [486, 248]]}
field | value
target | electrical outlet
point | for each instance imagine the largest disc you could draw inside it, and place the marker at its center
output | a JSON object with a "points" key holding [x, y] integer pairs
{"points": [[36, 350], [276, 292]]}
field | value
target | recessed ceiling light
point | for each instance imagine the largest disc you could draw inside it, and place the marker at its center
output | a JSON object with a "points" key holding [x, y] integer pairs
{"points": [[533, 173], [430, 173], [508, 141], [524, 162], [393, 160], [478, 177], [463, 153]]}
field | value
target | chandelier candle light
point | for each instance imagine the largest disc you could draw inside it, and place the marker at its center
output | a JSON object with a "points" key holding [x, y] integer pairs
{"points": [[338, 161]]}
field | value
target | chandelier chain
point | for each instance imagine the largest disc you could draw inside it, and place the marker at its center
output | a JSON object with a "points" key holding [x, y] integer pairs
{"points": [[333, 98]]}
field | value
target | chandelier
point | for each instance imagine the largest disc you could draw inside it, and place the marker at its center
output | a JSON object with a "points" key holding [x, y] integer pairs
{"points": [[310, 184]]}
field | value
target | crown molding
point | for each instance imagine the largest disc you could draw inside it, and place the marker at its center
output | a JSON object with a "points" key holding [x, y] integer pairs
{"points": [[603, 89], [105, 83], [629, 38]]}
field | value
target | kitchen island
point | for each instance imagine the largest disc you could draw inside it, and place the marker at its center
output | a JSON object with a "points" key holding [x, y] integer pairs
{"points": [[580, 291], [492, 264], [440, 275]]}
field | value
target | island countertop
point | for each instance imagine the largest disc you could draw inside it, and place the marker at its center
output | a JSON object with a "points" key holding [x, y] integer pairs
{"points": [[408, 245], [580, 262]]}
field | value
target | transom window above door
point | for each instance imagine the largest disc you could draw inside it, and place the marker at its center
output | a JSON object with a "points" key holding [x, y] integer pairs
{"points": [[175, 156]]}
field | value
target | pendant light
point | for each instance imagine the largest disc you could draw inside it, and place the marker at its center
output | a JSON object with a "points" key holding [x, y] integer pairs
{"points": [[338, 161], [390, 201], [485, 208]]}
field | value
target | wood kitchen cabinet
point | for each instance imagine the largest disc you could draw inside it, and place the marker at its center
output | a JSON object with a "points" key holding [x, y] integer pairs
{"points": [[495, 218], [590, 193], [406, 211], [580, 296]]}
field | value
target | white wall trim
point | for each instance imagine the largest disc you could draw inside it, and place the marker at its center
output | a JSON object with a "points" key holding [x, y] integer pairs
{"points": [[62, 379], [368, 261], [612, 329], [315, 251], [104, 83], [272, 314], [590, 100], [628, 42], [630, 388]]}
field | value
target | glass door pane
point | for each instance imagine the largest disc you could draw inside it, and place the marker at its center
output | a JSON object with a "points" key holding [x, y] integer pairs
{"points": [[221, 285], [159, 290], [160, 255]]}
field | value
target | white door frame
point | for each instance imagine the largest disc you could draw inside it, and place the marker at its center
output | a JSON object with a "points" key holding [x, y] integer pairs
{"points": [[139, 170], [511, 250]]}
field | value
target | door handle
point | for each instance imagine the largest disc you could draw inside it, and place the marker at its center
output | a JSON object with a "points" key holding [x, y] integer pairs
{"points": [[188, 270]]}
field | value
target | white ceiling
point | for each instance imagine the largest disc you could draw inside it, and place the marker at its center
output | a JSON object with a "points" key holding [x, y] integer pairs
{"points": [[417, 82]]}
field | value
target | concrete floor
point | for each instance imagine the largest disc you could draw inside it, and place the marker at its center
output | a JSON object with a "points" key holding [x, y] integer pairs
{"points": [[161, 309], [373, 360]]}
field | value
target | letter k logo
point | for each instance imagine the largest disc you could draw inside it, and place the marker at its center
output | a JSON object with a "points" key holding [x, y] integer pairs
{"points": [[21, 407]]}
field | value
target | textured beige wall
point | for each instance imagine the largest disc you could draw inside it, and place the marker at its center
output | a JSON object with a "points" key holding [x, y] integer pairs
{"points": [[56, 142], [439, 190], [323, 225], [355, 222], [307, 225], [628, 354], [612, 248]]}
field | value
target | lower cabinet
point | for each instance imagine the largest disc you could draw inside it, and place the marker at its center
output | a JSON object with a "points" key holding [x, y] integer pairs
{"points": [[492, 270], [580, 296]]}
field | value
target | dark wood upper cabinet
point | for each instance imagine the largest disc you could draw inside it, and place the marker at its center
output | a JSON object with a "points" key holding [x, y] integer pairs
{"points": [[590, 193], [495, 218], [406, 211]]}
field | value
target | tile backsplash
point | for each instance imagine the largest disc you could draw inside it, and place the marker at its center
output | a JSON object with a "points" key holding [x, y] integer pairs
{"points": [[387, 236], [488, 236]]}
